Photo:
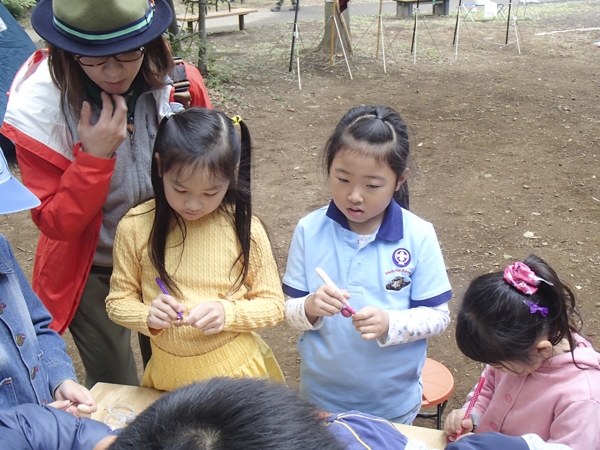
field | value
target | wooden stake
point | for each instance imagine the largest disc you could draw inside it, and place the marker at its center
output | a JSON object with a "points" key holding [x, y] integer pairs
{"points": [[379, 28], [344, 26]]}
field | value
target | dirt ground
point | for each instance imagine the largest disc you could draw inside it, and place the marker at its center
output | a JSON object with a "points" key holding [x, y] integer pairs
{"points": [[505, 146]]}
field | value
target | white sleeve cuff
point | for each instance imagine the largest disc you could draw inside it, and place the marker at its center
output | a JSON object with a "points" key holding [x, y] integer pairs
{"points": [[536, 443], [410, 325], [295, 315]]}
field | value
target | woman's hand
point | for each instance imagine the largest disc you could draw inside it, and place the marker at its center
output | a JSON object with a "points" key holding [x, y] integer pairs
{"points": [[74, 398], [326, 301], [371, 322], [103, 138], [208, 317], [456, 423], [164, 311]]}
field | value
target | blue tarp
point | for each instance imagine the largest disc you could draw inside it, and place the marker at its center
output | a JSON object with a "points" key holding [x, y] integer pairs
{"points": [[15, 48]]}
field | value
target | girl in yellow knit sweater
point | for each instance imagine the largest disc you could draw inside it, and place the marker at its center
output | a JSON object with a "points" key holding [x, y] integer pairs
{"points": [[199, 238]]}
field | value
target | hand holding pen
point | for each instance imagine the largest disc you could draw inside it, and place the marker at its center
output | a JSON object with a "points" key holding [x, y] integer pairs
{"points": [[164, 310], [328, 299], [467, 414]]}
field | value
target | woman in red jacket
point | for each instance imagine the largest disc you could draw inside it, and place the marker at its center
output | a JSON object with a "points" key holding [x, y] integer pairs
{"points": [[83, 115]]}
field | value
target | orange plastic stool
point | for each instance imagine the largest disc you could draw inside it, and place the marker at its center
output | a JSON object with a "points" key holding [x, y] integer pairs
{"points": [[438, 384]]}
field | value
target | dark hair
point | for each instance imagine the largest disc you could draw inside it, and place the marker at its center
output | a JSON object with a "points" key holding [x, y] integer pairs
{"points": [[68, 75], [374, 131], [495, 325], [196, 139], [229, 414]]}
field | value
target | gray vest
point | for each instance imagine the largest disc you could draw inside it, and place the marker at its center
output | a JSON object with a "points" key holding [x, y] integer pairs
{"points": [[130, 183]]}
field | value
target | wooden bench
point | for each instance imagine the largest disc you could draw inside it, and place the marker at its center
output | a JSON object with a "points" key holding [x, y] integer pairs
{"points": [[404, 8], [240, 12]]}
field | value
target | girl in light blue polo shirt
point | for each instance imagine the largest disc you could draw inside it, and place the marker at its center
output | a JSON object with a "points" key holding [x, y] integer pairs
{"points": [[389, 265]]}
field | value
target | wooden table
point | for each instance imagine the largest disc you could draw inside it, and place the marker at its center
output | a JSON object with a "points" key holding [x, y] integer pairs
{"points": [[140, 398], [106, 394]]}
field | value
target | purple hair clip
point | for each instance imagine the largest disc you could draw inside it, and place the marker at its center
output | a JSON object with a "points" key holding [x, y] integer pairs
{"points": [[522, 278], [535, 308]]}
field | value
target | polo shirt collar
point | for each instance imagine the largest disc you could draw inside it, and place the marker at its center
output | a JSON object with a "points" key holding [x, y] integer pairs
{"points": [[391, 228]]}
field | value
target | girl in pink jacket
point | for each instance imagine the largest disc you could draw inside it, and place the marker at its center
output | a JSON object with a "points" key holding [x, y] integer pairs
{"points": [[541, 377]]}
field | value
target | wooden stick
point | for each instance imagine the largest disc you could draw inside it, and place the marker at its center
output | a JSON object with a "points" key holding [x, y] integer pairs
{"points": [[332, 35], [379, 28], [344, 26]]}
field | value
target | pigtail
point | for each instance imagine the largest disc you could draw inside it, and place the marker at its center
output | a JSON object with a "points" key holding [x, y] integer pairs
{"points": [[564, 316], [504, 314], [163, 215], [243, 202]]}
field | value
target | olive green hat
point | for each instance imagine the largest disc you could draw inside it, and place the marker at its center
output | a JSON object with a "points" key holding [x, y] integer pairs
{"points": [[100, 28]]}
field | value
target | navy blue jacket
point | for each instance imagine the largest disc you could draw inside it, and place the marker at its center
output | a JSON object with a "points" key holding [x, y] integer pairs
{"points": [[37, 427], [489, 441]]}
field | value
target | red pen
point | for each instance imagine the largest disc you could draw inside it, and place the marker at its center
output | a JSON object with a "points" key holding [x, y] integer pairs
{"points": [[470, 407]]}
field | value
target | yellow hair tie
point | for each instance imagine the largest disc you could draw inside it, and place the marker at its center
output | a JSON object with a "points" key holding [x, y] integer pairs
{"points": [[236, 120]]}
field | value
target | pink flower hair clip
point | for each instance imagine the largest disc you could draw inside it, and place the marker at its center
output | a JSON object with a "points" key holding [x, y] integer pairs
{"points": [[522, 278]]}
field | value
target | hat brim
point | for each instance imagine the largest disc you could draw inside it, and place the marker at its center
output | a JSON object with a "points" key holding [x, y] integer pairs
{"points": [[16, 197], [43, 23]]}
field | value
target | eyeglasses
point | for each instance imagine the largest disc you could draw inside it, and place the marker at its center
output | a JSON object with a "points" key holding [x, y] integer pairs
{"points": [[90, 61]]}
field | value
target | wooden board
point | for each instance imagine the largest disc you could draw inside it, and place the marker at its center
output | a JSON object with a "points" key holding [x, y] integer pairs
{"points": [[140, 398], [435, 439], [106, 394], [218, 14]]}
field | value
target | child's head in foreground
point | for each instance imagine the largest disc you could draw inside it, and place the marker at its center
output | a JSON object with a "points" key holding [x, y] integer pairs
{"points": [[513, 319], [369, 145], [229, 414], [201, 164]]}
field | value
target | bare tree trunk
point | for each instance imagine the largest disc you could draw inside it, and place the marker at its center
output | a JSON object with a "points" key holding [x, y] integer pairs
{"points": [[330, 27], [174, 27]]}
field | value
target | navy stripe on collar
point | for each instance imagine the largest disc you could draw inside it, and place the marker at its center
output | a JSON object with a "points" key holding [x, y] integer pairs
{"points": [[391, 228]]}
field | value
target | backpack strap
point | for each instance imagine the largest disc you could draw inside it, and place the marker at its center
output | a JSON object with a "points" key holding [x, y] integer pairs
{"points": [[180, 82]]}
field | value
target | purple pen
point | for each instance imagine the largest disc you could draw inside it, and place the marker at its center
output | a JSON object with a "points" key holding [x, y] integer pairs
{"points": [[165, 291]]}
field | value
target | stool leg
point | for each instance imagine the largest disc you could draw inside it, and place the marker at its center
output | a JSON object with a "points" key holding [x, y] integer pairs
{"points": [[440, 411]]}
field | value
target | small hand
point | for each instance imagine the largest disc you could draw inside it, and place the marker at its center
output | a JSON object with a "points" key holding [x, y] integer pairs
{"points": [[164, 311], [456, 423], [79, 401], [371, 322], [463, 435], [104, 137], [326, 301], [208, 317]]}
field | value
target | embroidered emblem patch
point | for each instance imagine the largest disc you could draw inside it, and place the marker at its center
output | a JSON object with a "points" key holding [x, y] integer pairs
{"points": [[397, 284], [401, 257]]}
